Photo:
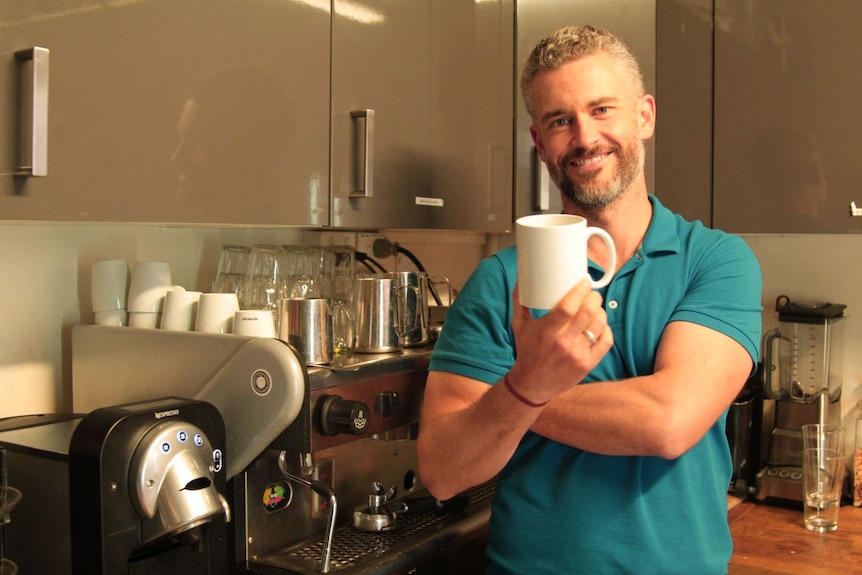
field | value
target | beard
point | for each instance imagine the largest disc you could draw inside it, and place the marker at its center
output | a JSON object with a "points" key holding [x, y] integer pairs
{"points": [[591, 192]]}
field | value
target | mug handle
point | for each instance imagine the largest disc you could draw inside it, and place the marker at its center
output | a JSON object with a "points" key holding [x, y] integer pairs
{"points": [[612, 250], [433, 281]]}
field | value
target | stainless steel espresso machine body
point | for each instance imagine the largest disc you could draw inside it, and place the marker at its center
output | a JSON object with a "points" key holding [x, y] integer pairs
{"points": [[306, 445], [136, 488], [802, 367]]}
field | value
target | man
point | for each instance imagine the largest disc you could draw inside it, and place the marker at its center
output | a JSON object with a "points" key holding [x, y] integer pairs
{"points": [[606, 431]]}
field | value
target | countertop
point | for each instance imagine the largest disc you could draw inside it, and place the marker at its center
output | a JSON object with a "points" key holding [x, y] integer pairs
{"points": [[770, 540]]}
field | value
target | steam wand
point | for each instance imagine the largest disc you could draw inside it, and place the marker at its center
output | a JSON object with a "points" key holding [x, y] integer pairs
{"points": [[324, 490]]}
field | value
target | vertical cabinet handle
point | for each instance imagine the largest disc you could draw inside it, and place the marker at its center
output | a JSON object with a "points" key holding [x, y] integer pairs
{"points": [[541, 183], [364, 153], [32, 157]]}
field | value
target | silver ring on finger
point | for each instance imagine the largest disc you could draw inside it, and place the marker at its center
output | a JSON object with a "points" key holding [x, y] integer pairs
{"points": [[591, 337]]}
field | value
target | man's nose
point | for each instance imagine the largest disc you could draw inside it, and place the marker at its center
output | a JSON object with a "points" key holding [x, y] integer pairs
{"points": [[583, 132]]}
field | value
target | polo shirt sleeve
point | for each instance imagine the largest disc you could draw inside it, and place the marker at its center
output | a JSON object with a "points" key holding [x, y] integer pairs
{"points": [[477, 340], [725, 292]]}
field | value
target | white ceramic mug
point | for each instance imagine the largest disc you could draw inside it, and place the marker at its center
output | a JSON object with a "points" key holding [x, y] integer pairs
{"points": [[180, 311], [254, 323], [552, 257], [215, 312], [109, 285], [148, 286]]}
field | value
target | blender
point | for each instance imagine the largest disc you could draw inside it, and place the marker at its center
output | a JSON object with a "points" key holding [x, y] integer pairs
{"points": [[802, 371]]}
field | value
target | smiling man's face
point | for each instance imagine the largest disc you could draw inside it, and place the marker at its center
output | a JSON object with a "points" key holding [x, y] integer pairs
{"points": [[589, 129]]}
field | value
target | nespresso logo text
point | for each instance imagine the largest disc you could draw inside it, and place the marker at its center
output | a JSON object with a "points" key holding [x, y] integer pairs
{"points": [[168, 413]]}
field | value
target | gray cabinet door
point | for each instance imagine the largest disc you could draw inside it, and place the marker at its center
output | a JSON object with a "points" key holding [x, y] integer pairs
{"points": [[198, 111], [435, 149], [787, 117]]}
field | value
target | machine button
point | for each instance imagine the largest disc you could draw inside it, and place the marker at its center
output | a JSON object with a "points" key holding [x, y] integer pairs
{"points": [[387, 404], [338, 415]]}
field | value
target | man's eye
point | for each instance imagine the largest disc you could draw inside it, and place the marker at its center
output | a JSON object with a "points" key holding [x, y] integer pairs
{"points": [[603, 109], [559, 122]]}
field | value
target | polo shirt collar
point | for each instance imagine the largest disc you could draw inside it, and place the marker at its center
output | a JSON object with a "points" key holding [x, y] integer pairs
{"points": [[661, 234]]}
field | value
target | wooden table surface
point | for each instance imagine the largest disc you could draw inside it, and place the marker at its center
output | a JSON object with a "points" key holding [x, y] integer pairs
{"points": [[770, 540]]}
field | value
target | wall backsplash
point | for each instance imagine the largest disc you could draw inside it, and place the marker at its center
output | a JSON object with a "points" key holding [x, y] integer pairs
{"points": [[46, 271], [46, 289]]}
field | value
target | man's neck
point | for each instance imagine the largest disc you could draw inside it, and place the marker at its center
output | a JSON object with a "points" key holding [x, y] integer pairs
{"points": [[626, 220]]}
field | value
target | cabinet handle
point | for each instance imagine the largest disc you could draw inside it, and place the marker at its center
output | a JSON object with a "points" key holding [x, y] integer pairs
{"points": [[32, 112], [541, 183], [364, 154]]}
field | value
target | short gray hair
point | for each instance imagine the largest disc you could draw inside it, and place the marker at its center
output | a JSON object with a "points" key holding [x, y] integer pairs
{"points": [[573, 43]]}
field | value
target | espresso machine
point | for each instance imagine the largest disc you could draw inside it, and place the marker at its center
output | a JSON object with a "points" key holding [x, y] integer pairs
{"points": [[316, 455], [136, 488], [802, 378]]}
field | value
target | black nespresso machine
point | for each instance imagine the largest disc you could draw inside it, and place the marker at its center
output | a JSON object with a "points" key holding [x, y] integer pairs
{"points": [[802, 378], [133, 489]]}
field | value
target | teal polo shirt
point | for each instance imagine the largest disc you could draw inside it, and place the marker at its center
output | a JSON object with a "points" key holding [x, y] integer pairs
{"points": [[563, 510]]}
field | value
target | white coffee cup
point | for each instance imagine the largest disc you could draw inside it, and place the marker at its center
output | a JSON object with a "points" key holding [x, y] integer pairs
{"points": [[254, 322], [109, 285], [215, 312], [114, 317], [180, 311], [144, 319], [148, 286], [552, 257]]}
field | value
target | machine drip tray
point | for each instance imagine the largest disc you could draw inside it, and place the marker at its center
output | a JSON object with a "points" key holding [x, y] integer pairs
{"points": [[416, 539]]}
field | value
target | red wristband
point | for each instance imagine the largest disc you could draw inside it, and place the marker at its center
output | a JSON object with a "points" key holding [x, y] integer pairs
{"points": [[518, 396]]}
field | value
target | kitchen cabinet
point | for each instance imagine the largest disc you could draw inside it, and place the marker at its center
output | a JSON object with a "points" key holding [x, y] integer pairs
{"points": [[787, 118], [757, 123], [683, 138], [435, 77], [632, 20], [190, 111], [263, 113]]}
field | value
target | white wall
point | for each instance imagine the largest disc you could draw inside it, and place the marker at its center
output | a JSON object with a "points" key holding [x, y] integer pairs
{"points": [[45, 279], [45, 275], [821, 268]]}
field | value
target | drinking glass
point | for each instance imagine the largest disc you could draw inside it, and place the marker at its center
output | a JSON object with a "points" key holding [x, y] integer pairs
{"points": [[339, 273], [303, 276], [823, 467], [232, 266], [263, 284]]}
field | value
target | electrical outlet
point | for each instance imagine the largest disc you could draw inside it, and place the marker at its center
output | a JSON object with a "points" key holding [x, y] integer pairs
{"points": [[329, 238], [365, 242]]}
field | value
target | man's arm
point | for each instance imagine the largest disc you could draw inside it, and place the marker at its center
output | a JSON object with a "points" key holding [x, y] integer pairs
{"points": [[698, 373], [469, 430]]}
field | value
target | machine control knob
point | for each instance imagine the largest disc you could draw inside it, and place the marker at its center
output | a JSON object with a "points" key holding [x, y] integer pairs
{"points": [[339, 415]]}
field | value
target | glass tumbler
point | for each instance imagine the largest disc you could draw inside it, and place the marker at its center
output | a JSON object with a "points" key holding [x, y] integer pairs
{"points": [[263, 284], [339, 274], [232, 266], [304, 265]]}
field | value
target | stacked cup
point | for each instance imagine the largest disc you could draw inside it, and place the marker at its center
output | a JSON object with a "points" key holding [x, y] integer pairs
{"points": [[149, 283], [180, 310], [109, 286], [216, 312]]}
